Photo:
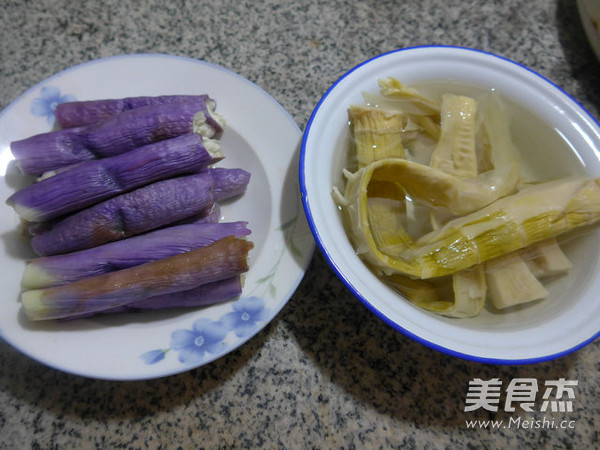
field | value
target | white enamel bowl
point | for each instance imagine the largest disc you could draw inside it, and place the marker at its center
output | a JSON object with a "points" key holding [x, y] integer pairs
{"points": [[569, 317]]}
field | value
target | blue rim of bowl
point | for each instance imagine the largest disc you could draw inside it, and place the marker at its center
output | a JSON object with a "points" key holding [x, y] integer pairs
{"points": [[350, 286]]}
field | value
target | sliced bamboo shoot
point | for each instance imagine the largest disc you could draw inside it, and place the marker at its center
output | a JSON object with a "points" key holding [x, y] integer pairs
{"points": [[455, 150], [377, 134], [510, 282], [546, 259]]}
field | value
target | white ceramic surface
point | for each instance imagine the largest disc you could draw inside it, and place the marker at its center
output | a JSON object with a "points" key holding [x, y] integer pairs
{"points": [[260, 137], [589, 12], [570, 316]]}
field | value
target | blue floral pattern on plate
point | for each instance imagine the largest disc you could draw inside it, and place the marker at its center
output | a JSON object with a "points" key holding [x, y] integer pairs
{"points": [[247, 313], [208, 337], [50, 97], [205, 336]]}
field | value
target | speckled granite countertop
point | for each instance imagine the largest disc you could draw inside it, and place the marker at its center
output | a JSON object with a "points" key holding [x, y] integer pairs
{"points": [[325, 373]]}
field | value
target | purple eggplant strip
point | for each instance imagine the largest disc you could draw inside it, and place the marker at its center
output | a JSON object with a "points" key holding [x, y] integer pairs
{"points": [[207, 294], [134, 212], [97, 180], [144, 125], [49, 151], [87, 112], [223, 259], [213, 215], [229, 182], [61, 269], [115, 135], [128, 214]]}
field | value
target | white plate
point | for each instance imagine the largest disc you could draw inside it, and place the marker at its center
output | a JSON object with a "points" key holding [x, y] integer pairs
{"points": [[589, 12], [260, 137]]}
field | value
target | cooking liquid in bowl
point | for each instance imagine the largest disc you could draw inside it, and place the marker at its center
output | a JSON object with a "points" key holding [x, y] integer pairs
{"points": [[546, 153]]}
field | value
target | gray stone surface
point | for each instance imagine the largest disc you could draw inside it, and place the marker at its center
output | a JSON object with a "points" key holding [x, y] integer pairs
{"points": [[326, 373]]}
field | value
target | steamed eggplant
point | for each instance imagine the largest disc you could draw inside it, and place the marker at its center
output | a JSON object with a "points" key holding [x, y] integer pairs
{"points": [[115, 135], [86, 112], [65, 268], [125, 213], [223, 259], [93, 181], [140, 210], [204, 295]]}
